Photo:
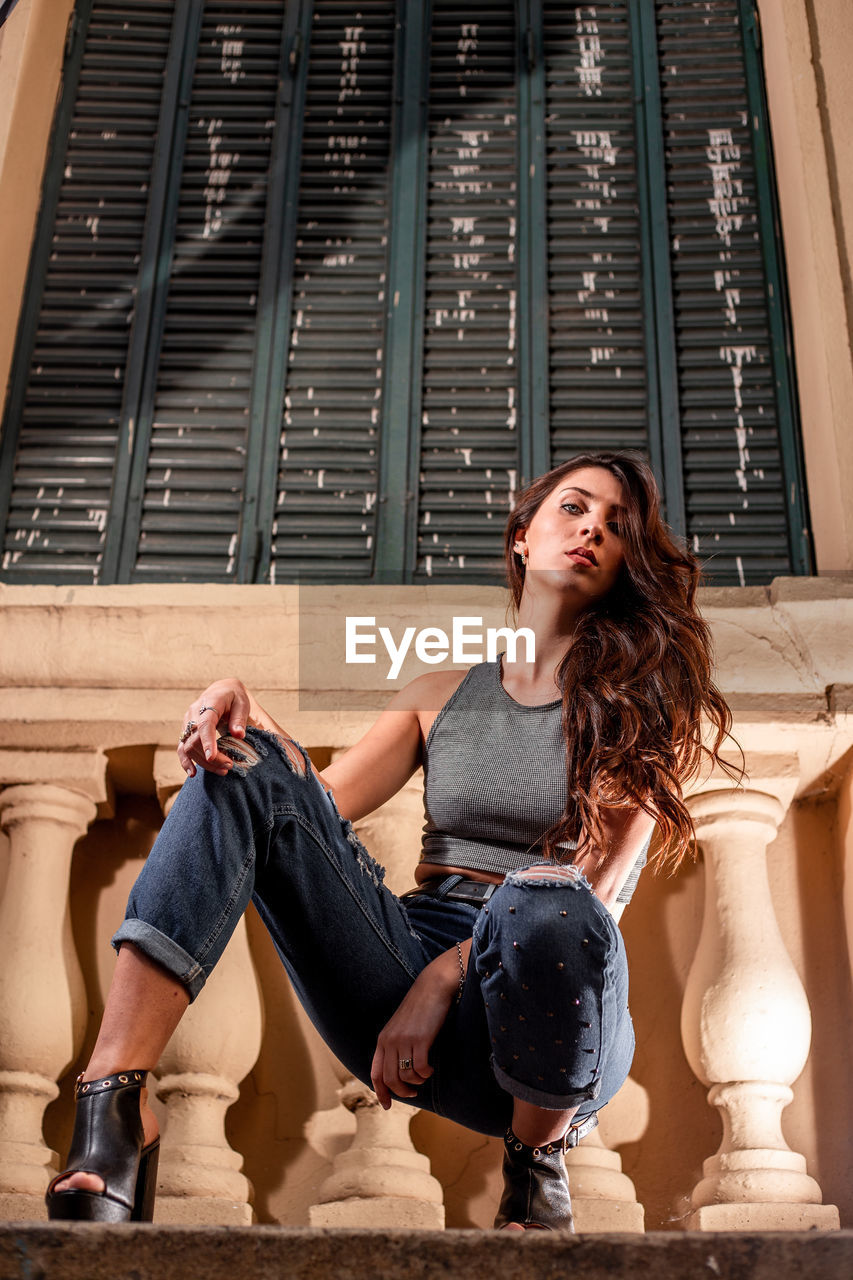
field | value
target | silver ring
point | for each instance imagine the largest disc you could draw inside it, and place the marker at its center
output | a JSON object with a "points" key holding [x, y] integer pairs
{"points": [[202, 710], [189, 729], [405, 1064]]}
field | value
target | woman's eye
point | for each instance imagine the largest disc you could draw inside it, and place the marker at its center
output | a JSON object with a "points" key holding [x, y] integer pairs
{"points": [[573, 507]]}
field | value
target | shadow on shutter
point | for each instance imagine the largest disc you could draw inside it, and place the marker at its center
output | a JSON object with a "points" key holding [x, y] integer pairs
{"points": [[734, 486], [72, 403], [193, 486], [598, 375], [325, 511], [469, 432]]}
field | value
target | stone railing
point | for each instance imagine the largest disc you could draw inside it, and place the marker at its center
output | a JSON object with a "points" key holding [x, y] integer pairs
{"points": [[92, 676]]}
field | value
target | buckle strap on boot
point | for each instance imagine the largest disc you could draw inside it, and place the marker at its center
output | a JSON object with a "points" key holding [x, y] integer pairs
{"points": [[570, 1139], [106, 1083], [536, 1183]]}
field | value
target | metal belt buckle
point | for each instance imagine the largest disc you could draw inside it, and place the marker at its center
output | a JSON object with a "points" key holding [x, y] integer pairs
{"points": [[576, 1132], [471, 891]]}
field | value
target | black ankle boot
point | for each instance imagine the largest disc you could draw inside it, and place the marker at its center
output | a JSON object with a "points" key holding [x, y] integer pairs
{"points": [[536, 1186], [107, 1141]]}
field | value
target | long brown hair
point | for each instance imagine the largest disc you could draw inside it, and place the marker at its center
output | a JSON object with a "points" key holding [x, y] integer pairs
{"points": [[636, 679]]}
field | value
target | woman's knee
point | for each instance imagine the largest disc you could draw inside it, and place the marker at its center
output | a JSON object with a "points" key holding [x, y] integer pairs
{"points": [[548, 874], [249, 752], [267, 770], [543, 923]]}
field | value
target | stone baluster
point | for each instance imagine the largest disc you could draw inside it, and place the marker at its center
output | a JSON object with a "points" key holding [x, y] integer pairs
{"points": [[380, 1180], [603, 1197], [746, 1023], [214, 1047], [42, 996], [845, 825]]}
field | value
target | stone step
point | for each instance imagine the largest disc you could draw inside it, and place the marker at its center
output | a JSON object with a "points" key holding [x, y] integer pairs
{"points": [[89, 1251]]}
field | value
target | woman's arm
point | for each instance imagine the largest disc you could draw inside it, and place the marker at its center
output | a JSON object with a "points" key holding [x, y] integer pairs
{"points": [[381, 762], [627, 831], [364, 777], [411, 1030]]}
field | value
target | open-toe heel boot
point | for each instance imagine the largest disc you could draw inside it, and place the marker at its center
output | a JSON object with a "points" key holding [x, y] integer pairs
{"points": [[108, 1141], [536, 1185]]}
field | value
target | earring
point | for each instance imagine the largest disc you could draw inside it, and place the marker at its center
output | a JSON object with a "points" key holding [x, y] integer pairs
{"points": [[523, 557]]}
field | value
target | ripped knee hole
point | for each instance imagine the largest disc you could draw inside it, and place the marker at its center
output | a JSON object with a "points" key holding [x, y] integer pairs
{"points": [[246, 756], [561, 874]]}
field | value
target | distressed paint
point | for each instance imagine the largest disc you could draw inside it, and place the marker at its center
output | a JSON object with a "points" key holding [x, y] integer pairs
{"points": [[729, 389], [589, 67], [594, 255], [333, 392], [198, 433], [69, 401], [728, 205], [597, 151], [470, 412], [476, 263]]}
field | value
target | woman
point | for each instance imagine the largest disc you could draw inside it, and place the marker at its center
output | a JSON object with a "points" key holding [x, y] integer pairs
{"points": [[496, 991]]}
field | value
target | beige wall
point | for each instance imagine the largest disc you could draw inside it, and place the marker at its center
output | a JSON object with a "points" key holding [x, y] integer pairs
{"points": [[807, 47], [12, 36], [31, 54]]}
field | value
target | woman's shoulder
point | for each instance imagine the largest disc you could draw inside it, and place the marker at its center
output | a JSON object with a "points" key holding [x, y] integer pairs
{"points": [[429, 694], [432, 689]]}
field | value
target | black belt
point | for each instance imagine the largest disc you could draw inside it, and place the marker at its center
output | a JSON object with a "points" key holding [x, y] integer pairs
{"points": [[463, 891]]}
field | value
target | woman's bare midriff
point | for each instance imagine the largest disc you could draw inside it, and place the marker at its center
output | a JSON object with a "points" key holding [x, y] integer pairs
{"points": [[432, 870]]}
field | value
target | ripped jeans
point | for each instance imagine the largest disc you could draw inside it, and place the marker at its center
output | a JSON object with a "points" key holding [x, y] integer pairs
{"points": [[544, 1010]]}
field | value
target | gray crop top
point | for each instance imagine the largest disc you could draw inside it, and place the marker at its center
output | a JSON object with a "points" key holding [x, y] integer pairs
{"points": [[495, 779]]}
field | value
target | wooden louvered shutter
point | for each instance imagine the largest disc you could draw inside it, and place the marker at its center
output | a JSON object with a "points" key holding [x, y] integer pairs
{"points": [[598, 393], [743, 497], [469, 431], [187, 494], [325, 508], [69, 390], [580, 253]]}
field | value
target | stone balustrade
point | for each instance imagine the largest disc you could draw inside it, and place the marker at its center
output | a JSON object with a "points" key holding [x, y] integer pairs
{"points": [[748, 1006], [48, 806], [746, 1021]]}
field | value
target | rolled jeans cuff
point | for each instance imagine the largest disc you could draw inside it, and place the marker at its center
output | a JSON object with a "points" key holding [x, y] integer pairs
{"points": [[539, 1098], [157, 946]]}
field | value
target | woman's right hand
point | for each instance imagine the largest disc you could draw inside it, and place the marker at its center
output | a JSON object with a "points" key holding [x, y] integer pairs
{"points": [[225, 703]]}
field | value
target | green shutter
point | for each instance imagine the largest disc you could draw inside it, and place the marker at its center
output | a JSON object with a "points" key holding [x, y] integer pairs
{"points": [[598, 393], [316, 288], [470, 405], [61, 434], [325, 508], [731, 415], [187, 492]]}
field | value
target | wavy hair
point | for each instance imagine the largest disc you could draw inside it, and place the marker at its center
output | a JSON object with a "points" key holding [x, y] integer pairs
{"points": [[636, 679]]}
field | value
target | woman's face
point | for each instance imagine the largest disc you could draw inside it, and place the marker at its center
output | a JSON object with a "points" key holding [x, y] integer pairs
{"points": [[576, 531]]}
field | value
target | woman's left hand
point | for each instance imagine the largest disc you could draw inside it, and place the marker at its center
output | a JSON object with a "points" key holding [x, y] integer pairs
{"points": [[409, 1034]]}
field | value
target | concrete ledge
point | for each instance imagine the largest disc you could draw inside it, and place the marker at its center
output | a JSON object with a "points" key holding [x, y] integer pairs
{"points": [[83, 1251]]}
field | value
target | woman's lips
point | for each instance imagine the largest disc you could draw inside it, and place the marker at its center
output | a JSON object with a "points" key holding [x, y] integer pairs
{"points": [[579, 558]]}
